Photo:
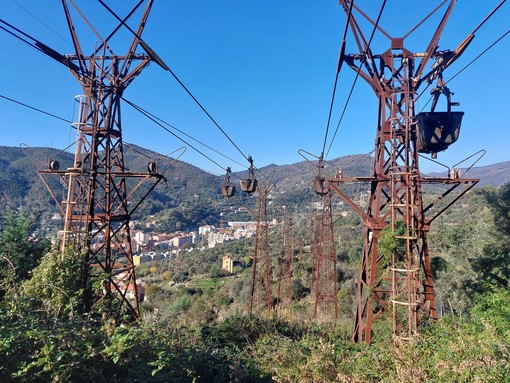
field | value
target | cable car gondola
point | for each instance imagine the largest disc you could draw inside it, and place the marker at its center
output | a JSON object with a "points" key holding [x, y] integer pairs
{"points": [[227, 188], [436, 131], [249, 185]]}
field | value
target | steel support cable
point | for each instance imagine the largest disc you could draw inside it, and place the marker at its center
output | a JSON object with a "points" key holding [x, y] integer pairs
{"points": [[36, 109], [472, 34], [338, 67], [18, 36], [153, 119], [480, 55], [38, 45], [364, 57], [165, 67], [184, 133], [161, 123], [72, 126], [40, 21], [467, 65]]}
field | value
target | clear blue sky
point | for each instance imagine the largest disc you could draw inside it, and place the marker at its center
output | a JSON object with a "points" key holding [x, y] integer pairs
{"points": [[263, 69]]}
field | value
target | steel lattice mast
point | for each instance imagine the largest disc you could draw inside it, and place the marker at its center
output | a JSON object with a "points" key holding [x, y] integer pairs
{"points": [[326, 295], [100, 189], [285, 296], [260, 299], [402, 284]]}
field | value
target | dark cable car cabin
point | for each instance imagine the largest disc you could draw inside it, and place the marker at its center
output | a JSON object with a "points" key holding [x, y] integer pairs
{"points": [[227, 189], [320, 185], [436, 131], [249, 185]]}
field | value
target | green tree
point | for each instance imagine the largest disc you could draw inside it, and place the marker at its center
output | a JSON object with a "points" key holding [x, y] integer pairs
{"points": [[19, 253], [56, 286], [493, 268]]}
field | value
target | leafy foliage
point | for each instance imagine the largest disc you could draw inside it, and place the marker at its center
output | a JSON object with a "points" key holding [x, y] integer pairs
{"points": [[19, 253], [192, 329]]}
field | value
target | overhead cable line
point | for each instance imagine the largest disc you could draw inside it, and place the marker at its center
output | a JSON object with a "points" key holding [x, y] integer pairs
{"points": [[158, 60], [363, 59], [40, 21], [478, 56], [184, 133], [36, 109], [36, 44], [468, 64], [155, 120], [165, 67], [162, 124], [338, 67]]}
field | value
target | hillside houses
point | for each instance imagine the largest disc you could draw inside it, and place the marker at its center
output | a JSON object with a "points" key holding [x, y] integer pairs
{"points": [[153, 247]]}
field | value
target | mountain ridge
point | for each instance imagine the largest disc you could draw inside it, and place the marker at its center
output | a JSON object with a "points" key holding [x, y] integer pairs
{"points": [[190, 193]]}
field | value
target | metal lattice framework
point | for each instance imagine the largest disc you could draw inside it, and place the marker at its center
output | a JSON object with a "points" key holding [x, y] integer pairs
{"points": [[100, 190], [324, 253], [285, 296], [260, 299], [402, 284]]}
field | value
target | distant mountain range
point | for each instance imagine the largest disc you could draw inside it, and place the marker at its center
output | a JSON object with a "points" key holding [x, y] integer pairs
{"points": [[490, 175], [187, 185]]}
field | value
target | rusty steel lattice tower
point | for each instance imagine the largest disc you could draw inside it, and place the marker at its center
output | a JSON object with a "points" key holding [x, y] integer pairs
{"points": [[324, 254], [260, 299], [400, 283], [285, 296], [100, 193]]}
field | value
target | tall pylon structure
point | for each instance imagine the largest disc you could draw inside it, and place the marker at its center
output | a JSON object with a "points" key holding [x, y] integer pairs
{"points": [[100, 190], [402, 282], [260, 299], [285, 296], [325, 274]]}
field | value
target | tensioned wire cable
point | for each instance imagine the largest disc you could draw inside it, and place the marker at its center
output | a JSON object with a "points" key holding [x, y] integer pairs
{"points": [[40, 21], [357, 76], [37, 46], [36, 109], [147, 114], [166, 68], [468, 64], [338, 67], [154, 117], [162, 124]]}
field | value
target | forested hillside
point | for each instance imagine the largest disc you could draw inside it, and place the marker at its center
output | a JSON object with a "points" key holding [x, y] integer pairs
{"points": [[194, 325], [188, 197]]}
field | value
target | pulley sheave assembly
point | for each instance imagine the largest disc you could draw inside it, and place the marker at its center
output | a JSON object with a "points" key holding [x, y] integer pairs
{"points": [[319, 183]]}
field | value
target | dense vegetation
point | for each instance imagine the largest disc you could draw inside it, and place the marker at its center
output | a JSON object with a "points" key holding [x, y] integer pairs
{"points": [[194, 326]]}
